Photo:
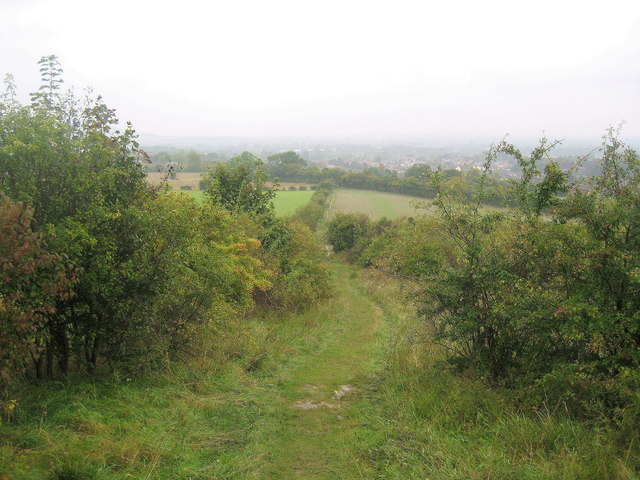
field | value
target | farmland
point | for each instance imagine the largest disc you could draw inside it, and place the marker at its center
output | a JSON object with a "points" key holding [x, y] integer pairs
{"points": [[192, 179], [375, 204], [286, 202]]}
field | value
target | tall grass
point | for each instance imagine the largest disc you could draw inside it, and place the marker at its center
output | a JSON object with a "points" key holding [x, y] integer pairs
{"points": [[437, 424], [191, 421]]}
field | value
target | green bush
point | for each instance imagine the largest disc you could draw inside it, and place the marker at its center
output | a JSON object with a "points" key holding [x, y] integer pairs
{"points": [[120, 275], [344, 230], [313, 212], [301, 278]]}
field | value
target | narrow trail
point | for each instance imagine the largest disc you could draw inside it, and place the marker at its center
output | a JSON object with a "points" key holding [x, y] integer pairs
{"points": [[312, 431]]}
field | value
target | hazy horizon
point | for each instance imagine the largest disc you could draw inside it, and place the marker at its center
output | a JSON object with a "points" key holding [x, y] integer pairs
{"points": [[333, 70]]}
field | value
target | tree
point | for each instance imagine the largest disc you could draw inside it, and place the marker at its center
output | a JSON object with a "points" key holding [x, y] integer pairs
{"points": [[239, 186], [48, 94], [286, 158], [81, 176], [345, 229]]}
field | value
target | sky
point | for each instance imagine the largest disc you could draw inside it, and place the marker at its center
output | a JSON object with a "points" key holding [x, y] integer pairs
{"points": [[341, 69]]}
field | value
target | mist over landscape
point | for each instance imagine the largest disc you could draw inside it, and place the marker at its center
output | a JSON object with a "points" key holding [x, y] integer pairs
{"points": [[319, 240], [355, 72]]}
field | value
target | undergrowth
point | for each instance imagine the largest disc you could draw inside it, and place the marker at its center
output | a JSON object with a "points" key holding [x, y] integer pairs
{"points": [[191, 421], [434, 423]]}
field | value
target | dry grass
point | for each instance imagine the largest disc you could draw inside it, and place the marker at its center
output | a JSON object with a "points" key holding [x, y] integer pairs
{"points": [[192, 179]]}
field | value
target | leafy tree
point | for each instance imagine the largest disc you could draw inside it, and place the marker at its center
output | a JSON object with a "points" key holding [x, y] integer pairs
{"points": [[80, 174], [240, 187]]}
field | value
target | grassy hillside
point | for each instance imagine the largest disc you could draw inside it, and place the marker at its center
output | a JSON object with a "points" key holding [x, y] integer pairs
{"points": [[263, 406], [288, 202]]}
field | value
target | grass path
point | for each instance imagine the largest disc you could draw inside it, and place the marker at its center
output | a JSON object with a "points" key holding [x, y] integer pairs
{"points": [[319, 442], [407, 418]]}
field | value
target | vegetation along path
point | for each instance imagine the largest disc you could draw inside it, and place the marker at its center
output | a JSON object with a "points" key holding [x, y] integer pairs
{"points": [[312, 429]]}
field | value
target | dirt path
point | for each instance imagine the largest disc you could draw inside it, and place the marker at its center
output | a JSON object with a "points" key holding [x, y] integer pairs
{"points": [[312, 429]]}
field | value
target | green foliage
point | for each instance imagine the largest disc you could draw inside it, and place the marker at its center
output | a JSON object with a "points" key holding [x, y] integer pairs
{"points": [[344, 230], [150, 272], [411, 247], [239, 186], [313, 212], [541, 298], [82, 178], [433, 423], [327, 184], [301, 278]]}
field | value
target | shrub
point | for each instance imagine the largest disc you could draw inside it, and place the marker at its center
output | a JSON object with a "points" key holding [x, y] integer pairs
{"points": [[32, 281], [301, 279], [311, 213], [345, 229]]}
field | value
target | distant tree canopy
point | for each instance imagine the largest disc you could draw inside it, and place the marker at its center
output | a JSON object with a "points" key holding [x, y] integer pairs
{"points": [[286, 158], [246, 159], [415, 182]]}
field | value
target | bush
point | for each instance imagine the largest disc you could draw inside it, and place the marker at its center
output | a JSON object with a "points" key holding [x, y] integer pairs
{"points": [[327, 184], [186, 187], [312, 213], [345, 229], [412, 248], [33, 280], [302, 279], [292, 188]]}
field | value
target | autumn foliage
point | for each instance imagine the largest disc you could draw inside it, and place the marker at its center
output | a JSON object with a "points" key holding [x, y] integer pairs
{"points": [[32, 279]]}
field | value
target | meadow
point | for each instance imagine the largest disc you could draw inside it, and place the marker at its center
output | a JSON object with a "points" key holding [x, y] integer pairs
{"points": [[285, 202], [376, 204], [144, 335]]}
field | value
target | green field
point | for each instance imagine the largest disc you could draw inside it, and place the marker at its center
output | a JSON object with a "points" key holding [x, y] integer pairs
{"points": [[285, 202], [288, 202], [382, 204], [376, 204]]}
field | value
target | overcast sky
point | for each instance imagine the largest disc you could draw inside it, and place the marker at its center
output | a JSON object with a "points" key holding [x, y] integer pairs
{"points": [[393, 69]]}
